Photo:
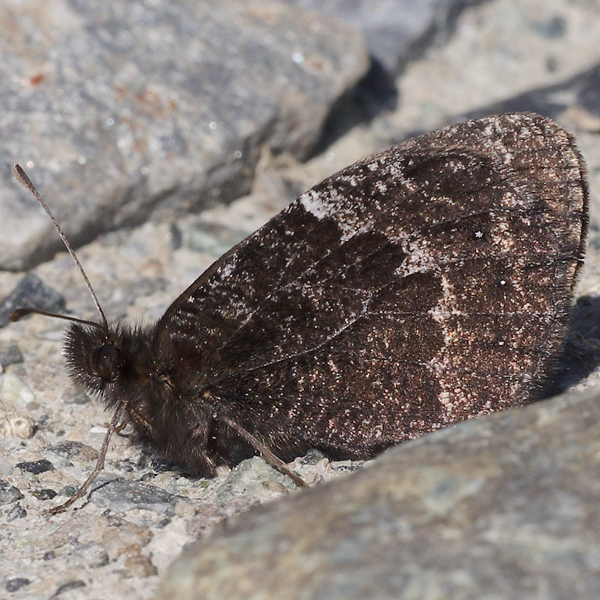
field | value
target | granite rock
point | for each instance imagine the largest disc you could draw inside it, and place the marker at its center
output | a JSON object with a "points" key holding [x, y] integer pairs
{"points": [[30, 292], [122, 495], [116, 108], [396, 31], [505, 506]]}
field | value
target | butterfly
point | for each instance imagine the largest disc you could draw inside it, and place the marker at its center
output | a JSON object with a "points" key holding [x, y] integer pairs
{"points": [[422, 286]]}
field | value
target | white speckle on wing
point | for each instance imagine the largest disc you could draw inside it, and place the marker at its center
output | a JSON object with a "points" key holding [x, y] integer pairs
{"points": [[335, 206], [316, 205], [228, 267]]}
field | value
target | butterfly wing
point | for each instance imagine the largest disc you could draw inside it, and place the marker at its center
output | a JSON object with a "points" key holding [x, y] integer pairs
{"points": [[422, 286]]}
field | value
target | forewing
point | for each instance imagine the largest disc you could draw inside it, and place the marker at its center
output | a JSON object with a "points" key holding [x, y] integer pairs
{"points": [[421, 286]]}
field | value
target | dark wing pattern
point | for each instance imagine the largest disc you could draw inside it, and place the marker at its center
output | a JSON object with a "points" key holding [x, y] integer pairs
{"points": [[417, 288]]}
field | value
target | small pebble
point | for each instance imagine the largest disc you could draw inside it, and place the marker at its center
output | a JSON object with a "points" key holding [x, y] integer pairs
{"points": [[67, 587], [10, 354], [31, 291], [44, 494], [141, 566], [74, 449], [91, 554], [13, 423], [126, 539], [14, 390], [9, 493], [16, 583], [36, 467], [121, 494], [16, 512]]}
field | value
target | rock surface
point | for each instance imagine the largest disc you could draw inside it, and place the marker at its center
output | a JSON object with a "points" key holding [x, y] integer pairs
{"points": [[502, 507], [123, 106], [396, 31]]}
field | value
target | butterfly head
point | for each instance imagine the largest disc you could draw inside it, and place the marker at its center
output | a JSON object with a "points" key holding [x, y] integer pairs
{"points": [[94, 356]]}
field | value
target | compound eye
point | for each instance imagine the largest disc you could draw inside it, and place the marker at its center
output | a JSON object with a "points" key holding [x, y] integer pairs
{"points": [[108, 362]]}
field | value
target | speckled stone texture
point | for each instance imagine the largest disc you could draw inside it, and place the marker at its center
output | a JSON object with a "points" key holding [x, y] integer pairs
{"points": [[396, 31], [503, 507], [123, 106]]}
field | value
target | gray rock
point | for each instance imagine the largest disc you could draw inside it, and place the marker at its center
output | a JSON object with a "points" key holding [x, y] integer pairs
{"points": [[500, 507], [119, 107], [16, 583], [30, 292], [9, 493], [123, 495], [10, 354], [254, 478], [36, 467], [67, 587], [16, 512], [74, 449], [396, 31]]}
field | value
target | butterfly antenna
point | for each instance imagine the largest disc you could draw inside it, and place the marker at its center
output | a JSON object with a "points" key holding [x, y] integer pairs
{"points": [[24, 180], [112, 428]]}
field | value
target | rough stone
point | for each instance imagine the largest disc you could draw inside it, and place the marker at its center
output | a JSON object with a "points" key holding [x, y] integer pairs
{"points": [[36, 467], [30, 292], [9, 493], [14, 391], [121, 495], [396, 31], [16, 512], [13, 422], [10, 354], [506, 506], [115, 108]]}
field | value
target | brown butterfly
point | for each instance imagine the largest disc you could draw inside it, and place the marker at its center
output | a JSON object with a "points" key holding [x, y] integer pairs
{"points": [[422, 286]]}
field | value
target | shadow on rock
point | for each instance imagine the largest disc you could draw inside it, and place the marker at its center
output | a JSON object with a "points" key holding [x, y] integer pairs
{"points": [[581, 351]]}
